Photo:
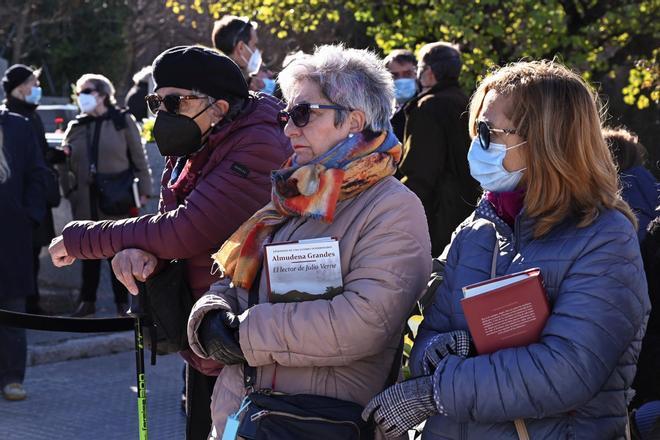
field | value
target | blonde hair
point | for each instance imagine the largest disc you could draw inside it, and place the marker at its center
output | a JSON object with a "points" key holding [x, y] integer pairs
{"points": [[4, 166], [570, 170]]}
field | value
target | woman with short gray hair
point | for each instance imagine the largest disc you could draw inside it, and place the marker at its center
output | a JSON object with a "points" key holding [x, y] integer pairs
{"points": [[339, 348], [350, 78], [104, 140]]}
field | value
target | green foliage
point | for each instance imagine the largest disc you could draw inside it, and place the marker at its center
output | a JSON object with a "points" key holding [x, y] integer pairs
{"points": [[148, 129], [595, 37], [643, 82], [69, 38], [93, 40]]}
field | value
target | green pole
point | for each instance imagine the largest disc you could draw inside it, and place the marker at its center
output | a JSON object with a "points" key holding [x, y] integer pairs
{"points": [[141, 383], [137, 311]]}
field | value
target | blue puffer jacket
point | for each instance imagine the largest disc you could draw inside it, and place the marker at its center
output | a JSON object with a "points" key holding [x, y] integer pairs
{"points": [[642, 192], [576, 381]]}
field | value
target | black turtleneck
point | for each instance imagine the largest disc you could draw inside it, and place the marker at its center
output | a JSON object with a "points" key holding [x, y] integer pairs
{"points": [[21, 107], [28, 110]]}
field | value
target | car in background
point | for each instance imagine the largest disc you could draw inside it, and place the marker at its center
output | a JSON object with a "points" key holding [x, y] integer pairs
{"points": [[56, 117]]}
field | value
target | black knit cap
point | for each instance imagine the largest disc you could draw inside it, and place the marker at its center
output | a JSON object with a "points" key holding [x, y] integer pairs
{"points": [[15, 76], [199, 68]]}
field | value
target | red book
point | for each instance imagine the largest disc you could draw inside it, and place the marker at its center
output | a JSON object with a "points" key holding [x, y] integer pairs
{"points": [[507, 311]]}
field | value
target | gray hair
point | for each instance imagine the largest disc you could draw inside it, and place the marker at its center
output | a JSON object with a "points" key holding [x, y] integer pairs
{"points": [[142, 75], [102, 85], [4, 166], [353, 78]]}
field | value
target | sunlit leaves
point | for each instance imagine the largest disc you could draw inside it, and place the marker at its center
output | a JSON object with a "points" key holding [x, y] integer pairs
{"points": [[592, 37]]}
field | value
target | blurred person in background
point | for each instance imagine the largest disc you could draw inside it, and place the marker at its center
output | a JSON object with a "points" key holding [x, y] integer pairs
{"points": [[647, 379], [237, 38], [114, 135], [221, 143], [402, 64], [23, 201], [135, 98], [23, 94], [435, 144], [638, 186]]}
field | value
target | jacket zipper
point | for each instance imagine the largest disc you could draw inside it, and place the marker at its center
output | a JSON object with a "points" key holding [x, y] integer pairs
{"points": [[264, 412], [516, 234]]}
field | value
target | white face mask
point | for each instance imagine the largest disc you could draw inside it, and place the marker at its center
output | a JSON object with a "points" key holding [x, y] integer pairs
{"points": [[254, 63], [487, 169], [86, 102]]}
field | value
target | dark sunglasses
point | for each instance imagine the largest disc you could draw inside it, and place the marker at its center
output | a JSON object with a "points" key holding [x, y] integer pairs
{"points": [[299, 114], [484, 131], [86, 91], [171, 102]]}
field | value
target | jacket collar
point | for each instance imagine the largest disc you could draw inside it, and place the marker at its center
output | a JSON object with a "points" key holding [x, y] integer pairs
{"points": [[438, 87], [19, 106], [524, 223]]}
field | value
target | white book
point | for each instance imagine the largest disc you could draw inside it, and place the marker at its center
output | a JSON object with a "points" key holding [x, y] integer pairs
{"points": [[303, 270]]}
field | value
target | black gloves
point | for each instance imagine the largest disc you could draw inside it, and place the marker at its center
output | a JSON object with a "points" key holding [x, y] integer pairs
{"points": [[218, 334]]}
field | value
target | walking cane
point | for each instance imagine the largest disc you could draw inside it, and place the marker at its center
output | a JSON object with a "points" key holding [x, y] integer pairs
{"points": [[137, 311]]}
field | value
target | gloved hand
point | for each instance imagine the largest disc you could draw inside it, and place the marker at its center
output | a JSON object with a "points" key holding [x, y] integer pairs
{"points": [[402, 406], [457, 342], [218, 334]]}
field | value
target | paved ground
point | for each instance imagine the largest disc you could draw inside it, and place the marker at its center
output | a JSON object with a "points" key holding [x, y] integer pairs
{"points": [[95, 399], [78, 388]]}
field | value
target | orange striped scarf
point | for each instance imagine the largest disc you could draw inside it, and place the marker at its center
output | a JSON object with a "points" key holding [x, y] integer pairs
{"points": [[311, 190]]}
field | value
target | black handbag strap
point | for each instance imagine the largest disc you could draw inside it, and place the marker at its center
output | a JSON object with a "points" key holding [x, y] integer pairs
{"points": [[250, 373], [93, 155]]}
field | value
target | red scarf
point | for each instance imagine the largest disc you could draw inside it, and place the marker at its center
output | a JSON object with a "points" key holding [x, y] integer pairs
{"points": [[507, 204]]}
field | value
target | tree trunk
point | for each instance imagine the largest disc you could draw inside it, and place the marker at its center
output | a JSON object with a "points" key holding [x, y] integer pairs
{"points": [[19, 39]]}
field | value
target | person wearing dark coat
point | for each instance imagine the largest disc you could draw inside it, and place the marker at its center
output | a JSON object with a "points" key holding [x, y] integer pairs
{"points": [[220, 146], [638, 186], [22, 197], [22, 91], [436, 142], [402, 64], [135, 98], [646, 402]]}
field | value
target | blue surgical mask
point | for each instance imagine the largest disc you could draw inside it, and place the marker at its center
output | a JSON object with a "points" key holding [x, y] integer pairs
{"points": [[86, 102], [404, 89], [35, 96], [269, 86], [487, 169], [254, 63]]}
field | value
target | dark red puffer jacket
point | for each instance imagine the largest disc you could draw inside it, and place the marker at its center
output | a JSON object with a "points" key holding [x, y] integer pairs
{"points": [[233, 183]]}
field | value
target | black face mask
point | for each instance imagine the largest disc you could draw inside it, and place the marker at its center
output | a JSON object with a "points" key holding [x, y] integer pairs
{"points": [[178, 135]]}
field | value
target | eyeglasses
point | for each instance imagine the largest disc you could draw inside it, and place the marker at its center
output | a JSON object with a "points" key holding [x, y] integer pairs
{"points": [[484, 131], [86, 91], [300, 113], [171, 102]]}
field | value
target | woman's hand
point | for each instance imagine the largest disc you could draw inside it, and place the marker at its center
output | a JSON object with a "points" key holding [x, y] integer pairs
{"points": [[218, 334], [133, 264], [402, 406], [441, 345], [58, 253]]}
